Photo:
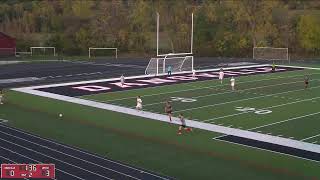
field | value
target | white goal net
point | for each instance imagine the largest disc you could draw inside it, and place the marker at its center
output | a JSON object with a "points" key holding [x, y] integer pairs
{"points": [[160, 65], [43, 51], [269, 53]]}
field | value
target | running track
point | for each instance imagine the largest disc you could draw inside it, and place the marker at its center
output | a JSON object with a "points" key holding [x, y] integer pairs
{"points": [[17, 146]]}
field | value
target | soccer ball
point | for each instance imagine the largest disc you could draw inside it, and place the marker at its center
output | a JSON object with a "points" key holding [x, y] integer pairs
{"points": [[60, 115]]}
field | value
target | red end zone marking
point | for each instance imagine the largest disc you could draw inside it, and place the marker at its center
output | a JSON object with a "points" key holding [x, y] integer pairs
{"points": [[142, 82]]}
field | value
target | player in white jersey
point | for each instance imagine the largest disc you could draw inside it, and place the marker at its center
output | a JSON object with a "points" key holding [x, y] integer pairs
{"points": [[122, 80], [139, 103], [232, 81], [1, 96], [193, 73], [221, 75]]}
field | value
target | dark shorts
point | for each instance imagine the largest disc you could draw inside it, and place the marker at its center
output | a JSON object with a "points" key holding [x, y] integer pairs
{"points": [[306, 82], [169, 112], [183, 125]]}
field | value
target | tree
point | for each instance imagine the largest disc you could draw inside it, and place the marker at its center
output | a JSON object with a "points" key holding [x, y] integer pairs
{"points": [[309, 32]]}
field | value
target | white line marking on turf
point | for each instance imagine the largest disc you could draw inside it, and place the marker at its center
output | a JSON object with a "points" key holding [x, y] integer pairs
{"points": [[310, 137], [279, 122], [41, 163], [230, 115], [79, 150], [3, 121], [202, 87], [69, 155], [239, 100], [62, 161]]}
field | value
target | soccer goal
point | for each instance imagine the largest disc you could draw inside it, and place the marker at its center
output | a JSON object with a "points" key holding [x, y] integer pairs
{"points": [[271, 54], [43, 51], [100, 53], [160, 65]]}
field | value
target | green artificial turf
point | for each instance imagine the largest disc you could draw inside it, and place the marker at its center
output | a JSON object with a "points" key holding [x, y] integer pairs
{"points": [[155, 145]]}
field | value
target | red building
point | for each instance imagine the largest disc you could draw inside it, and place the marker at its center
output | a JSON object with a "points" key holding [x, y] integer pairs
{"points": [[7, 45]]}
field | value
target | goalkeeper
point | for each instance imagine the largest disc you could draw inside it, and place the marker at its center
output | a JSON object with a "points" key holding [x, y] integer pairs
{"points": [[169, 70], [273, 67]]}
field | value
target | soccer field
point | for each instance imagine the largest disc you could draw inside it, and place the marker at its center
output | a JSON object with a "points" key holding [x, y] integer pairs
{"points": [[274, 104], [267, 128]]}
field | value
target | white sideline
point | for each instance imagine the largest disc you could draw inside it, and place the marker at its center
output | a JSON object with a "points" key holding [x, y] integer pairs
{"points": [[195, 124]]}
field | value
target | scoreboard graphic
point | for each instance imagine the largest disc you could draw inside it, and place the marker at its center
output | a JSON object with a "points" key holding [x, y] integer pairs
{"points": [[45, 171]]}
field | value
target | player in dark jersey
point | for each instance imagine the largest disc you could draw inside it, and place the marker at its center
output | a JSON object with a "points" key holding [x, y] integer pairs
{"points": [[306, 81], [183, 125], [168, 110]]}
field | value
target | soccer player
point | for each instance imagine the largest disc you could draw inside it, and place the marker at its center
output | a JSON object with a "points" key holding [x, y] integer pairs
{"points": [[1, 96], [193, 73], [273, 67], [139, 103], [306, 81], [122, 80], [232, 81], [183, 125], [168, 110], [221, 75], [169, 70]]}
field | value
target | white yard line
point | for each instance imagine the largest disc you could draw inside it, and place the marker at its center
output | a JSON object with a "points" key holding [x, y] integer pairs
{"points": [[279, 122], [257, 97], [270, 107], [310, 137]]}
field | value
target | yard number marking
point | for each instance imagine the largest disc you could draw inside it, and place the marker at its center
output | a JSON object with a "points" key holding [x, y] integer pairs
{"points": [[254, 110], [181, 99]]}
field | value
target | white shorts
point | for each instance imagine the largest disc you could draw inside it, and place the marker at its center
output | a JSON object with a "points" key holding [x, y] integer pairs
{"points": [[232, 84], [139, 106], [220, 77]]}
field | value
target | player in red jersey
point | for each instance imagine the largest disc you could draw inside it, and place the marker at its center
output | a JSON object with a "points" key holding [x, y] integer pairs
{"points": [[168, 110]]}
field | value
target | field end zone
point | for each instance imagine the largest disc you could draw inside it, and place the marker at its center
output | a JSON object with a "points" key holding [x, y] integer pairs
{"points": [[64, 91]]}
